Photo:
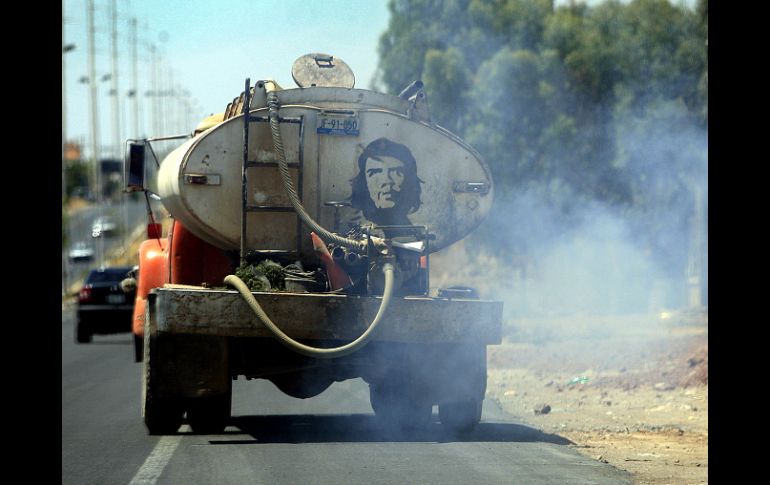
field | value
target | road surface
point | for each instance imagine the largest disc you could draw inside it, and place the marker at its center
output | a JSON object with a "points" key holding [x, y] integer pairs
{"points": [[332, 438], [127, 213]]}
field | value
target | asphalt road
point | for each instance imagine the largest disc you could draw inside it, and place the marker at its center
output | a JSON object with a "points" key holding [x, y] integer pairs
{"points": [[332, 438], [126, 213]]}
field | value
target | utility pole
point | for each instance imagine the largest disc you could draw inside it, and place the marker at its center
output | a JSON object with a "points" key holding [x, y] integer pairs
{"points": [[94, 119], [170, 103], [161, 93], [115, 92], [187, 123], [92, 99], [154, 90], [135, 79], [63, 141], [63, 110], [116, 124]]}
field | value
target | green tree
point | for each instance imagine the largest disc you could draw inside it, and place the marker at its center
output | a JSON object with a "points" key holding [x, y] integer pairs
{"points": [[447, 81], [702, 11], [567, 104]]}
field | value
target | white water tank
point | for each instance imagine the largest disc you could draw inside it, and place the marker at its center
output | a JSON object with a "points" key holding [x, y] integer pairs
{"points": [[324, 131]]}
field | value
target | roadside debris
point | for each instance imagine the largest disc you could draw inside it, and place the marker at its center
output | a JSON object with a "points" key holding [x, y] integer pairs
{"points": [[542, 409], [577, 380], [663, 386]]}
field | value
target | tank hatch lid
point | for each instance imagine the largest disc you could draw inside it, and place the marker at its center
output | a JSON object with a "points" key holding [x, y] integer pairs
{"points": [[322, 70]]}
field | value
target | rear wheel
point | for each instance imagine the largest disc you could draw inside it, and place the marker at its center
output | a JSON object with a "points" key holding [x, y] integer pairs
{"points": [[82, 332], [461, 374], [162, 415], [303, 385], [138, 348], [398, 403], [460, 415], [209, 415]]}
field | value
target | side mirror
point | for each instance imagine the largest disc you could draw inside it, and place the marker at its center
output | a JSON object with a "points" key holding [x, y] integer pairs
{"points": [[134, 167], [127, 285]]}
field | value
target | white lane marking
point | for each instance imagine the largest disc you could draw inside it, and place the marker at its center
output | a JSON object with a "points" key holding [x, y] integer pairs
{"points": [[153, 466]]}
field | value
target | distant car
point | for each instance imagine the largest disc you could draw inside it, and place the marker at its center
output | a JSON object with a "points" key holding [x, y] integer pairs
{"points": [[104, 305], [103, 226], [81, 252]]}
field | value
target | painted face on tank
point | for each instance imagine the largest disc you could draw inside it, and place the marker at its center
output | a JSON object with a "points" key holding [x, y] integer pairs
{"points": [[386, 188], [384, 180]]}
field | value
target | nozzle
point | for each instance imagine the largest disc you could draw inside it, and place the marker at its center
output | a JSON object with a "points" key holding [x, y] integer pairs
{"points": [[339, 254], [338, 278], [352, 258]]}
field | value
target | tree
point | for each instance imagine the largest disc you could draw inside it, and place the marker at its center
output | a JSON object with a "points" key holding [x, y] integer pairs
{"points": [[567, 104]]}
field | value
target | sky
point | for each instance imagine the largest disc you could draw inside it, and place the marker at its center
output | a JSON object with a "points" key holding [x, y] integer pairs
{"points": [[207, 50]]}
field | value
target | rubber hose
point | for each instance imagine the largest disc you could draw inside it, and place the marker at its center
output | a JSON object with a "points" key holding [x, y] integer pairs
{"points": [[321, 353], [275, 129]]}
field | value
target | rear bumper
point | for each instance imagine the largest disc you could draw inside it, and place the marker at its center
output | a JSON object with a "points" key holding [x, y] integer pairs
{"points": [[106, 318], [91, 309], [323, 316]]}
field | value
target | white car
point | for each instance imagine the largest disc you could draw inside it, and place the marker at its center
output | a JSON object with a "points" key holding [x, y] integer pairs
{"points": [[81, 252], [103, 226]]}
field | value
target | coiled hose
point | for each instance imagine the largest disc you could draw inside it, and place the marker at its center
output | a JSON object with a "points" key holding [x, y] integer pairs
{"points": [[321, 353]]}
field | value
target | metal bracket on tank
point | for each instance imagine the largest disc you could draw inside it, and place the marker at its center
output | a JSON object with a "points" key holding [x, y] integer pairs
{"points": [[471, 187], [419, 110], [202, 179]]}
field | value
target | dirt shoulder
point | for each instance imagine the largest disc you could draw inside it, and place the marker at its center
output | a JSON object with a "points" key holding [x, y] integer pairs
{"points": [[635, 397]]}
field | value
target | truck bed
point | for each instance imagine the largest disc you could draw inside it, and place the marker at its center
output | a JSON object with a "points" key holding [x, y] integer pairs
{"points": [[325, 316]]}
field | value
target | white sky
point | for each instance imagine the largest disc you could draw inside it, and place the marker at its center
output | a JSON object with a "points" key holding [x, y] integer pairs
{"points": [[209, 48]]}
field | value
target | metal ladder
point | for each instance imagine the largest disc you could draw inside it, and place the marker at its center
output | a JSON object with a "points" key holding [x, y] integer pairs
{"points": [[249, 164]]}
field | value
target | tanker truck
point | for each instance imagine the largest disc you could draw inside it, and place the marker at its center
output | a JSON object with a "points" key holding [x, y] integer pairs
{"points": [[302, 221]]}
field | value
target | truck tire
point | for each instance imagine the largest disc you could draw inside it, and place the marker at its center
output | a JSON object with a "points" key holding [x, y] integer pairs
{"points": [[399, 404], [162, 415], [302, 385], [461, 377], [209, 415], [82, 332], [460, 415], [138, 348]]}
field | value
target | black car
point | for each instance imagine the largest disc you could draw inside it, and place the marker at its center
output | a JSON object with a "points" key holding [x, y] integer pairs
{"points": [[103, 305]]}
